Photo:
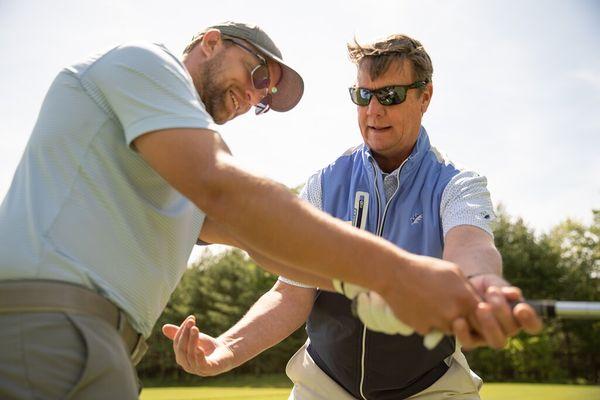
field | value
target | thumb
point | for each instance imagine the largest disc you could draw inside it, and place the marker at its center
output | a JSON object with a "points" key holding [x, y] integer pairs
{"points": [[170, 330], [207, 343]]}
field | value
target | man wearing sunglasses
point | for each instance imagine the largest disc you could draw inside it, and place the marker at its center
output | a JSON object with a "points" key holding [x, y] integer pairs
{"points": [[123, 173], [397, 186]]}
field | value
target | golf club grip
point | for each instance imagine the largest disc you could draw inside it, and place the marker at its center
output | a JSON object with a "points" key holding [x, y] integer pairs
{"points": [[566, 309]]}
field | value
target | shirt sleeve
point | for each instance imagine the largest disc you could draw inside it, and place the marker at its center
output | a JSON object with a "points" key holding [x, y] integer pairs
{"points": [[466, 201], [147, 89], [311, 192]]}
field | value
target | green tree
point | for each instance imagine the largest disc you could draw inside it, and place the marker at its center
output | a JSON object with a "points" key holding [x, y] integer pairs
{"points": [[579, 247], [218, 290], [562, 265]]}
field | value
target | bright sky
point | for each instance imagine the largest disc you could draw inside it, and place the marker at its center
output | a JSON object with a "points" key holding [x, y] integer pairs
{"points": [[516, 83]]}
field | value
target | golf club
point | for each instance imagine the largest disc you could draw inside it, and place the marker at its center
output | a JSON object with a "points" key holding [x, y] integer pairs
{"points": [[554, 308], [566, 309]]}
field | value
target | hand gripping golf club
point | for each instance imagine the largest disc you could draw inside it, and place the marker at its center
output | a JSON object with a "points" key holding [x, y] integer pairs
{"points": [[552, 308], [549, 309]]}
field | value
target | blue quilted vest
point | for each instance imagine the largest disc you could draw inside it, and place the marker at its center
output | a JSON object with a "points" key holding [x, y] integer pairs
{"points": [[371, 365]]}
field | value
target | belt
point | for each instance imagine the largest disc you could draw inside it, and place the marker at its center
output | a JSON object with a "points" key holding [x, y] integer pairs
{"points": [[28, 296]]}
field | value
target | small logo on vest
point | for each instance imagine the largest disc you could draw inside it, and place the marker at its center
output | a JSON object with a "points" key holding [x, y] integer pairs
{"points": [[361, 208], [416, 219]]}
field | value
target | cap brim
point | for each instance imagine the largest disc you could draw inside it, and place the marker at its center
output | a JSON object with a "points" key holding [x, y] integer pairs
{"points": [[290, 87]]}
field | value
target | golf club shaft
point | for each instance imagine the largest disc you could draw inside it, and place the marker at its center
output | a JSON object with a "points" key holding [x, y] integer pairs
{"points": [[566, 309]]}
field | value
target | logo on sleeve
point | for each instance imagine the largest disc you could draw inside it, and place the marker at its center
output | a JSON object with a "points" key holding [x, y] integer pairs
{"points": [[485, 215]]}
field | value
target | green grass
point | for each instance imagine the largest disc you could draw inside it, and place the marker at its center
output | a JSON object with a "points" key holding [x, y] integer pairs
{"points": [[277, 387], [270, 381], [214, 393], [530, 391]]}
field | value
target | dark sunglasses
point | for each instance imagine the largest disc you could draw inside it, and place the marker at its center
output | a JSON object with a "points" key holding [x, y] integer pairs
{"points": [[259, 77], [387, 96]]}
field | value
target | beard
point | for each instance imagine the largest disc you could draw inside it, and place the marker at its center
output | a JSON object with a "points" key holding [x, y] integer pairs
{"points": [[214, 92]]}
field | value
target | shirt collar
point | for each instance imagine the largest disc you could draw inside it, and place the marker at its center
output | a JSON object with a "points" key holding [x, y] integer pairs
{"points": [[418, 152]]}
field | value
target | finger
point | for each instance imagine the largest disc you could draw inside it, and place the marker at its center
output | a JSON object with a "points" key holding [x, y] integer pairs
{"points": [[527, 318], [181, 350], [177, 341], [192, 346], [474, 324], [468, 338], [177, 344], [502, 311], [170, 330], [512, 293], [525, 315], [490, 329], [180, 331]]}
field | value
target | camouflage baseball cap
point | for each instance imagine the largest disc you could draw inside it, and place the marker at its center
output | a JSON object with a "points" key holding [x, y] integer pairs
{"points": [[291, 86]]}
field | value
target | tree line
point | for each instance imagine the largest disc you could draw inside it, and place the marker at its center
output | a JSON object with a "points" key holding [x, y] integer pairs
{"points": [[563, 264]]}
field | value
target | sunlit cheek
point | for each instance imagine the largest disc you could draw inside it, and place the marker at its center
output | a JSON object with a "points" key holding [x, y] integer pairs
{"points": [[362, 113], [362, 120]]}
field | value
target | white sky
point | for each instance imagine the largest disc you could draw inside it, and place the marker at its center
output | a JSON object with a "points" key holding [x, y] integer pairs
{"points": [[516, 83]]}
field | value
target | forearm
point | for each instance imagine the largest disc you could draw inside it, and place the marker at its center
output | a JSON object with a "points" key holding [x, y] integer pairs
{"points": [[473, 250], [291, 272], [270, 320], [293, 233], [214, 233], [477, 260]]}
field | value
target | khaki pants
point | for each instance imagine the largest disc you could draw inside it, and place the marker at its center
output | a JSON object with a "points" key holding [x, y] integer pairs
{"points": [[63, 356], [311, 383]]}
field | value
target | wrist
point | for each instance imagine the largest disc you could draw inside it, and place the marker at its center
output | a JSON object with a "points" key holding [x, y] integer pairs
{"points": [[394, 276], [226, 354]]}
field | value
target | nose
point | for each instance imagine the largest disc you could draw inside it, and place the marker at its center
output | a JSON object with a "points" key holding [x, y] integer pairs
{"points": [[374, 107], [253, 96]]}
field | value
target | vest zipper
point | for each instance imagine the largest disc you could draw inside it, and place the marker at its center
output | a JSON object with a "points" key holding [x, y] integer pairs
{"points": [[362, 363], [387, 203], [379, 232]]}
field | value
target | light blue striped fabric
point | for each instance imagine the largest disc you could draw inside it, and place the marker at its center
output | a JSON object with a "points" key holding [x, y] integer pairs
{"points": [[83, 206]]}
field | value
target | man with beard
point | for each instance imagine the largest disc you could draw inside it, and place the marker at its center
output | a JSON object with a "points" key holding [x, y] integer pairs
{"points": [[123, 172]]}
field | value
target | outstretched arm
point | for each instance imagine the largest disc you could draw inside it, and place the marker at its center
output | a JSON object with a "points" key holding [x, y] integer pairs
{"points": [[276, 315], [270, 220], [213, 233]]}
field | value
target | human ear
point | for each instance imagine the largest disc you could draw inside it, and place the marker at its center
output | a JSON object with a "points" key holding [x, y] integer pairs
{"points": [[212, 40], [426, 97]]}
